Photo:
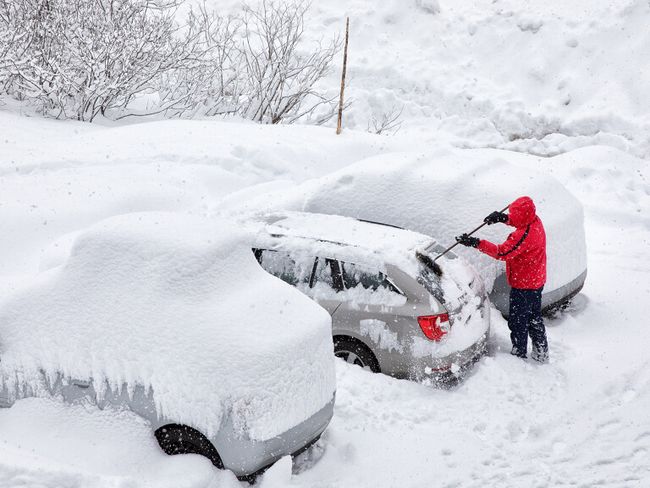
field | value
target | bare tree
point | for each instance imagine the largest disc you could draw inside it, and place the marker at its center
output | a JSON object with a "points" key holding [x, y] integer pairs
{"points": [[387, 122], [279, 76]]}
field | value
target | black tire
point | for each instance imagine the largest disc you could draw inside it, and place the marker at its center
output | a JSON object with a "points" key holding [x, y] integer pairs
{"points": [[181, 439], [355, 352]]}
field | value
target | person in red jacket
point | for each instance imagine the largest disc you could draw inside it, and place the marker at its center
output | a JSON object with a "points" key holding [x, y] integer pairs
{"points": [[524, 252]]}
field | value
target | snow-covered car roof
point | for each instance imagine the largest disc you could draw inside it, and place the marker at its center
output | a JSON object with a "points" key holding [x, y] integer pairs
{"points": [[178, 304], [343, 238], [449, 191]]}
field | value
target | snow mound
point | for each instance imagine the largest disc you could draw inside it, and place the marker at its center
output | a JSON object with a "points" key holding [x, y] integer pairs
{"points": [[180, 305], [79, 174], [542, 77], [597, 171], [46, 443], [448, 192]]}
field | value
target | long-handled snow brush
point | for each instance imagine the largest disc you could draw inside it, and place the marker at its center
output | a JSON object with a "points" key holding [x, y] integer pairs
{"points": [[431, 263]]}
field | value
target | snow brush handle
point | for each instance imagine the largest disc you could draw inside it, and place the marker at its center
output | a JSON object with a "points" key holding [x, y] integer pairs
{"points": [[469, 234]]}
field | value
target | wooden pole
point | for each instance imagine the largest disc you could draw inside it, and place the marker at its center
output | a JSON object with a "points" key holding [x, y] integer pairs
{"points": [[345, 65]]}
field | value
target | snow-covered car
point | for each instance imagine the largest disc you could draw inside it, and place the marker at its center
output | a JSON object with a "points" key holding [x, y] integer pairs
{"points": [[448, 192], [171, 316], [391, 312]]}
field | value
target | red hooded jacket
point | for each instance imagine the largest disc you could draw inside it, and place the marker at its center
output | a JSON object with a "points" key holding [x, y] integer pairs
{"points": [[524, 251]]}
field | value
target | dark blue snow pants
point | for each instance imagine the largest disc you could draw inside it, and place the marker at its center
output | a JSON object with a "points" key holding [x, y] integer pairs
{"points": [[526, 319]]}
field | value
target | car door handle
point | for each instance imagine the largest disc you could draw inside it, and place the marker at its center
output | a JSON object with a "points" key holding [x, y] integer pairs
{"points": [[80, 383]]}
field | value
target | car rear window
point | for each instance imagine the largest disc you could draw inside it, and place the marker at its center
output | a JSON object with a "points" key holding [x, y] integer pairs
{"points": [[431, 283], [370, 279]]}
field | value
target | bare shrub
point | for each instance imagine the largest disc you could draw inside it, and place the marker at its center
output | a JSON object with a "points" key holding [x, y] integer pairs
{"points": [[279, 76], [387, 122], [15, 39], [84, 58], [211, 84]]}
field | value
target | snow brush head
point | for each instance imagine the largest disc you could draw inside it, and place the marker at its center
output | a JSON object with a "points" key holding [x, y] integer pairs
{"points": [[429, 263]]}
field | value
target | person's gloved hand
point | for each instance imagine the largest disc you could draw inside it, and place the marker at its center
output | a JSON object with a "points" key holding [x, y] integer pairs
{"points": [[496, 217], [468, 241]]}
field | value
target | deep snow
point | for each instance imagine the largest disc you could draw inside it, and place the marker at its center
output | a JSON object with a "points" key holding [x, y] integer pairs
{"points": [[45, 443], [544, 77], [579, 421], [177, 304]]}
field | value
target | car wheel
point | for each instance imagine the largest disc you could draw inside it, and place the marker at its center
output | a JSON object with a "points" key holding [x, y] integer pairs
{"points": [[181, 439], [355, 352]]}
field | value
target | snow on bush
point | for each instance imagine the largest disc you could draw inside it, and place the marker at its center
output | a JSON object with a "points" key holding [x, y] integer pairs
{"points": [[446, 193], [180, 305], [278, 76], [81, 59]]}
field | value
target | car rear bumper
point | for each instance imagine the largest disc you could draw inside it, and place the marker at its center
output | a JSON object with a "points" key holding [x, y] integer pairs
{"points": [[455, 365], [246, 457]]}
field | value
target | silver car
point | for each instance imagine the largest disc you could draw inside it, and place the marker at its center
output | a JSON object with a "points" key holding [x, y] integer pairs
{"points": [[66, 336], [227, 449], [391, 313]]}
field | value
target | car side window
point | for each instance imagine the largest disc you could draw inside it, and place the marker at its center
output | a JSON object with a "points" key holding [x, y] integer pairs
{"points": [[327, 274], [293, 269], [355, 275]]}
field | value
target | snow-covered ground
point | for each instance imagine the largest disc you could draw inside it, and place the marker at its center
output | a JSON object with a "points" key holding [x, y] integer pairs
{"points": [[539, 76], [46, 444], [579, 421], [542, 77]]}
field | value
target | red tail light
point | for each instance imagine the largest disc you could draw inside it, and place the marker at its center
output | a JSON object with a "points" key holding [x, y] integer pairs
{"points": [[434, 326]]}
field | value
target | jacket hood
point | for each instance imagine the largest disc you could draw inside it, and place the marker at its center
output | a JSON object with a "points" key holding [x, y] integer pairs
{"points": [[521, 212]]}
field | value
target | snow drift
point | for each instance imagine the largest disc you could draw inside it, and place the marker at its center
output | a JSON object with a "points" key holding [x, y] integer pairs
{"points": [[178, 304], [79, 174]]}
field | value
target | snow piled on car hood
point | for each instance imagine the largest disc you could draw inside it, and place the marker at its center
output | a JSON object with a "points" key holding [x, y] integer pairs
{"points": [[179, 304], [448, 192]]}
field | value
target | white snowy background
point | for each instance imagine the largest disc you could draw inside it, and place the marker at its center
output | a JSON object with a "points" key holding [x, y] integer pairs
{"points": [[566, 82]]}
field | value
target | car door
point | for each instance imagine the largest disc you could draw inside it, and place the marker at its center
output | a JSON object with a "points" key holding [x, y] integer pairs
{"points": [[374, 310]]}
